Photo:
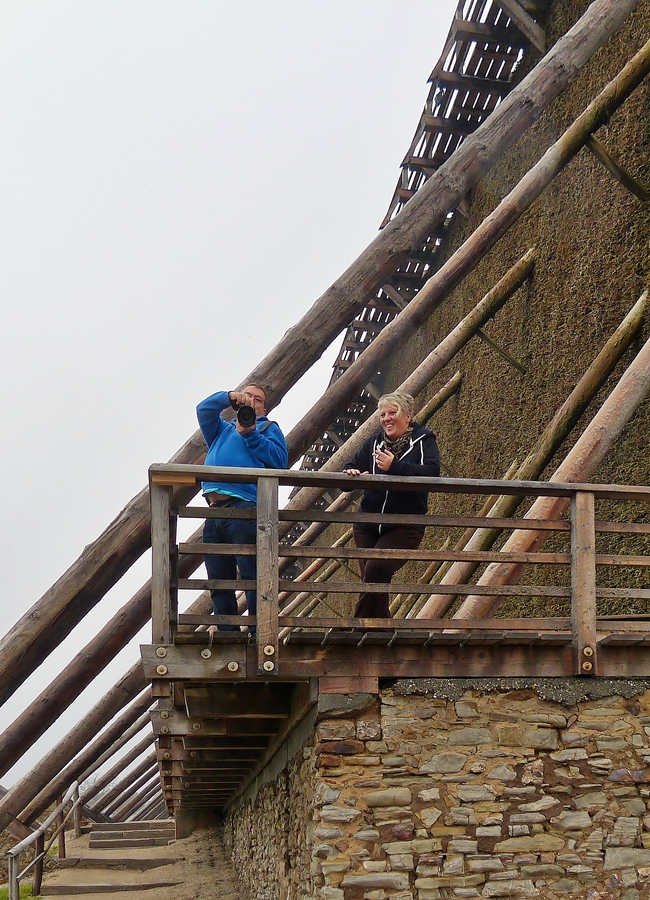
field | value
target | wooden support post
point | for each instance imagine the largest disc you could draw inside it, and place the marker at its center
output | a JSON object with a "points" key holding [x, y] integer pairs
{"points": [[583, 582], [38, 868], [61, 835], [161, 599], [76, 816], [267, 576]]}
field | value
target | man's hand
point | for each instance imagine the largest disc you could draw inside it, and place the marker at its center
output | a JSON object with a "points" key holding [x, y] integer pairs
{"points": [[240, 428], [354, 472], [240, 398]]}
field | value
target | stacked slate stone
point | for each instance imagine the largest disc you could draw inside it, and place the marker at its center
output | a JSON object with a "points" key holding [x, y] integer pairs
{"points": [[492, 795]]}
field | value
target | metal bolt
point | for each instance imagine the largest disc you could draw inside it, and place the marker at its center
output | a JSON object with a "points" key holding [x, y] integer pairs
{"points": [[587, 667], [167, 755], [196, 726], [233, 666], [161, 652], [164, 714], [164, 730], [186, 783], [268, 666], [269, 650], [588, 651], [193, 754], [206, 653], [189, 771], [161, 670]]}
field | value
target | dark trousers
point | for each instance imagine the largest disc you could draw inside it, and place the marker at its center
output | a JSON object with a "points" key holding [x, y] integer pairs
{"points": [[231, 531], [376, 606]]}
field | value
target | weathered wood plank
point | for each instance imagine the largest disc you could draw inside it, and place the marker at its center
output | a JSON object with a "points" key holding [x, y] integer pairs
{"points": [[558, 623], [583, 583], [480, 486], [351, 684], [425, 555], [239, 701], [267, 576], [347, 587], [161, 605]]}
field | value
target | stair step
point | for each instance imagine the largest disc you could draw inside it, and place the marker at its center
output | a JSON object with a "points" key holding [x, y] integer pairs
{"points": [[106, 843], [131, 835], [136, 826], [117, 862], [102, 888]]}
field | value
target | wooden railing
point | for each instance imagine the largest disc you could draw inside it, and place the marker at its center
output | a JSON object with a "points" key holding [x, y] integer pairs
{"points": [[582, 560], [70, 805]]}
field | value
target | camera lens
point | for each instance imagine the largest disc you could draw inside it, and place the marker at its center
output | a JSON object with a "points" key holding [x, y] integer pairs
{"points": [[246, 416]]}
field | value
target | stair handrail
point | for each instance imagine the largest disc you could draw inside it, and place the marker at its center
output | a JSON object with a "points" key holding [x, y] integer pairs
{"points": [[38, 837]]}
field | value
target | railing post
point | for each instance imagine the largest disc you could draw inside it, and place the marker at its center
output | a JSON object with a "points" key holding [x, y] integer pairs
{"points": [[38, 868], [583, 582], [77, 813], [61, 836], [161, 605], [267, 576], [12, 876]]}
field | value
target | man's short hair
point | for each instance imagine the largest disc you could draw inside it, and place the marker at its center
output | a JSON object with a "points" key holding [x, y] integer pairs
{"points": [[261, 388]]}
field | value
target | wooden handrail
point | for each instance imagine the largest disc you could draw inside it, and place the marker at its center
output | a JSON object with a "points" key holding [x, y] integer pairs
{"points": [[581, 561]]}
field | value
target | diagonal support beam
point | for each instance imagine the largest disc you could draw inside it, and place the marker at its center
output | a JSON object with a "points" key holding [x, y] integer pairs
{"points": [[524, 22]]}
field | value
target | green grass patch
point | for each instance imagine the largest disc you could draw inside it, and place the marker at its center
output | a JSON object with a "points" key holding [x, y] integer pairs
{"points": [[25, 892]]}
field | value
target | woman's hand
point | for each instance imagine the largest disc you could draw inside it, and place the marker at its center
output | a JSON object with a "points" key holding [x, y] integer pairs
{"points": [[384, 460]]}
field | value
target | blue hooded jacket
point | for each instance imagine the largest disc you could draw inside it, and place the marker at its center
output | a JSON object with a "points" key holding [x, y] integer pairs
{"points": [[227, 447]]}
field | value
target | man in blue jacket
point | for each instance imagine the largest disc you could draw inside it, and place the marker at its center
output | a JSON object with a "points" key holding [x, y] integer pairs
{"points": [[259, 446]]}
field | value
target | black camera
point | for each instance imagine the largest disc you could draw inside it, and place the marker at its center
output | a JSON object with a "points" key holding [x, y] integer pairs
{"points": [[246, 415]]}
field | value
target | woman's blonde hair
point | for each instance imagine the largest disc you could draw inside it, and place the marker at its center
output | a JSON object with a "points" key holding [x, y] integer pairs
{"points": [[398, 398]]}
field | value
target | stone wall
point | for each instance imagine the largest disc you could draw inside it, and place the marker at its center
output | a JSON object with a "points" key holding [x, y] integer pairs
{"points": [[269, 833], [443, 789]]}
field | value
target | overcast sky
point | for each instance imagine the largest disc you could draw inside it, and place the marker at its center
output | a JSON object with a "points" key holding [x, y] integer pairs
{"points": [[163, 166]]}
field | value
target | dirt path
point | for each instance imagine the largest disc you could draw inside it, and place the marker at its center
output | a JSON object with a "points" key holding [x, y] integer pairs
{"points": [[202, 870]]}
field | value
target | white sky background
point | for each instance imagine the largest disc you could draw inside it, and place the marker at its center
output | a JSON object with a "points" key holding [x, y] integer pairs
{"points": [[178, 183]]}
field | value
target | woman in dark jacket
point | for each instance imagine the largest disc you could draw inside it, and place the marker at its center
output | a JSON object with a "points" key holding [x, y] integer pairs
{"points": [[401, 448]]}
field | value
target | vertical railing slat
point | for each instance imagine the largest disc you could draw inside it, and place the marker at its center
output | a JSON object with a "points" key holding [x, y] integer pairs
{"points": [[161, 612], [267, 576], [583, 582]]}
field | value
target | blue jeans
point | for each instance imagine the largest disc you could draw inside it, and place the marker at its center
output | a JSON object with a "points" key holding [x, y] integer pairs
{"points": [[231, 531]]}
